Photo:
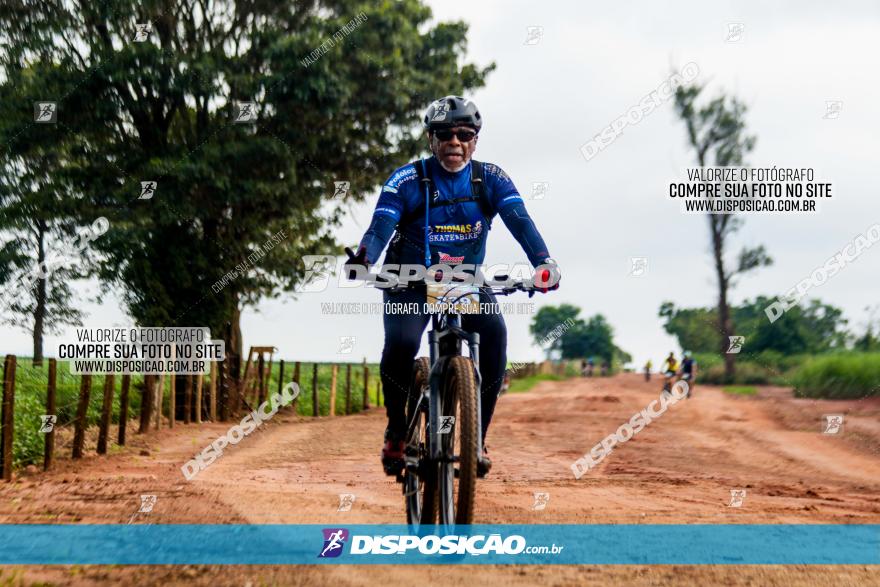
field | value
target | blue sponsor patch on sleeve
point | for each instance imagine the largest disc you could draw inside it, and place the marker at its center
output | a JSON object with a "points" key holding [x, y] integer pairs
{"points": [[400, 177], [392, 212]]}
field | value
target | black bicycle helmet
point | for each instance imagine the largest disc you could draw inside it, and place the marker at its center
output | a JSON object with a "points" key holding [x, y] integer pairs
{"points": [[452, 111]]}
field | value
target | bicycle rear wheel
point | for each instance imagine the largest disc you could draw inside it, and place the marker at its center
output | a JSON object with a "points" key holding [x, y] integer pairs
{"points": [[419, 478], [459, 444]]}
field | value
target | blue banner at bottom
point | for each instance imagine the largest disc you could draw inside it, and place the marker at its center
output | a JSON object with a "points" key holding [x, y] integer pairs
{"points": [[699, 544]]}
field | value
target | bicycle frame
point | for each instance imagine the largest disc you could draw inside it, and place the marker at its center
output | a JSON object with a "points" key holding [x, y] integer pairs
{"points": [[444, 341]]}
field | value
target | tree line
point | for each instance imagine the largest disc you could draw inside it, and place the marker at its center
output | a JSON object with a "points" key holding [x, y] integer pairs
{"points": [[148, 131]]}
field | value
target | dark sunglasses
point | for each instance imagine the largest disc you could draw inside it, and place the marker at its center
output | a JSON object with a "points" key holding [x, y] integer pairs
{"points": [[464, 136]]}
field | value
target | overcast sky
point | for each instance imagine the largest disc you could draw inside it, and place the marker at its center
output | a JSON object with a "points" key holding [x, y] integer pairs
{"points": [[592, 63]]}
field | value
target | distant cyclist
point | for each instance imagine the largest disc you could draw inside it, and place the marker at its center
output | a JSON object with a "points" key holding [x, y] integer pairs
{"points": [[688, 371], [648, 366], [670, 368], [590, 367]]}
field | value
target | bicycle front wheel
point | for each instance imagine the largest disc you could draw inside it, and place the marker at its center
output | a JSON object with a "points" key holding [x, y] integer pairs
{"points": [[458, 469], [420, 475]]}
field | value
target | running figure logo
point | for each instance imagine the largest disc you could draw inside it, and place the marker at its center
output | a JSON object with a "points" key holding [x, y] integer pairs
{"points": [[534, 34], [334, 540], [346, 345], [245, 112], [346, 500], [736, 344], [441, 112], [833, 423], [147, 503], [45, 112], [735, 32], [148, 189], [832, 109], [638, 266], [446, 424], [47, 423], [540, 189], [737, 496], [341, 188], [142, 31], [541, 501]]}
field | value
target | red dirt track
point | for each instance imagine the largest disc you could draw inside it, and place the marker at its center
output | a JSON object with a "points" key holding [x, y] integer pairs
{"points": [[679, 469]]}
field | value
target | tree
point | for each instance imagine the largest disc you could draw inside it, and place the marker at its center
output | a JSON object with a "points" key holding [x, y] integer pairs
{"points": [[550, 320], [594, 338], [869, 341], [693, 327], [716, 133], [559, 329], [38, 259], [337, 89], [815, 327]]}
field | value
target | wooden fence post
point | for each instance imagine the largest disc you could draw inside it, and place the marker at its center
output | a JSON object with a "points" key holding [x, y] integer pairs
{"points": [[172, 399], [223, 389], [148, 399], [199, 382], [264, 388], [106, 412], [348, 389], [187, 398], [123, 409], [280, 376], [296, 380], [366, 387], [49, 440], [261, 380], [212, 390], [82, 409], [235, 382], [333, 375], [7, 420], [160, 399], [315, 410]]}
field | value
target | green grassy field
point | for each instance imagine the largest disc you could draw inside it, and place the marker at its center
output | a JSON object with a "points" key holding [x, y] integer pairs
{"points": [[839, 376], [31, 383], [842, 375], [741, 389]]}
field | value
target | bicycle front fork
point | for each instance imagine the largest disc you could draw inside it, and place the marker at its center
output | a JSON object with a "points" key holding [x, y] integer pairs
{"points": [[436, 379]]}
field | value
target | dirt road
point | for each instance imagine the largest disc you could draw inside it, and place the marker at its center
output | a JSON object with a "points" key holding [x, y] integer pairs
{"points": [[679, 469]]}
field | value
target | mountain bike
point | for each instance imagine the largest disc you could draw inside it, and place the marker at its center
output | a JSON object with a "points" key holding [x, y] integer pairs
{"points": [[444, 435]]}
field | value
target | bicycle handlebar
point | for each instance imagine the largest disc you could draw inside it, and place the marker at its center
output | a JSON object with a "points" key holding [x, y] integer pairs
{"points": [[523, 285]]}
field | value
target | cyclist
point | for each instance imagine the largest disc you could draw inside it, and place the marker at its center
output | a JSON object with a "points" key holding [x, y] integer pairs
{"points": [[670, 368], [590, 365], [465, 195], [688, 371], [648, 366]]}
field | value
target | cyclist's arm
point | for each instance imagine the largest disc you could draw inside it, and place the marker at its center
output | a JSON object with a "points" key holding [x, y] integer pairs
{"points": [[509, 204], [388, 212]]}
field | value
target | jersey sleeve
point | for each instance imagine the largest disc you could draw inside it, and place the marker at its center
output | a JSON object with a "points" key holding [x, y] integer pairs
{"points": [[389, 210], [506, 200], [502, 192]]}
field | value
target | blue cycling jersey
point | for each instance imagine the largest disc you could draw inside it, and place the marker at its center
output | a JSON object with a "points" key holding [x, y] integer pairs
{"points": [[457, 232]]}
